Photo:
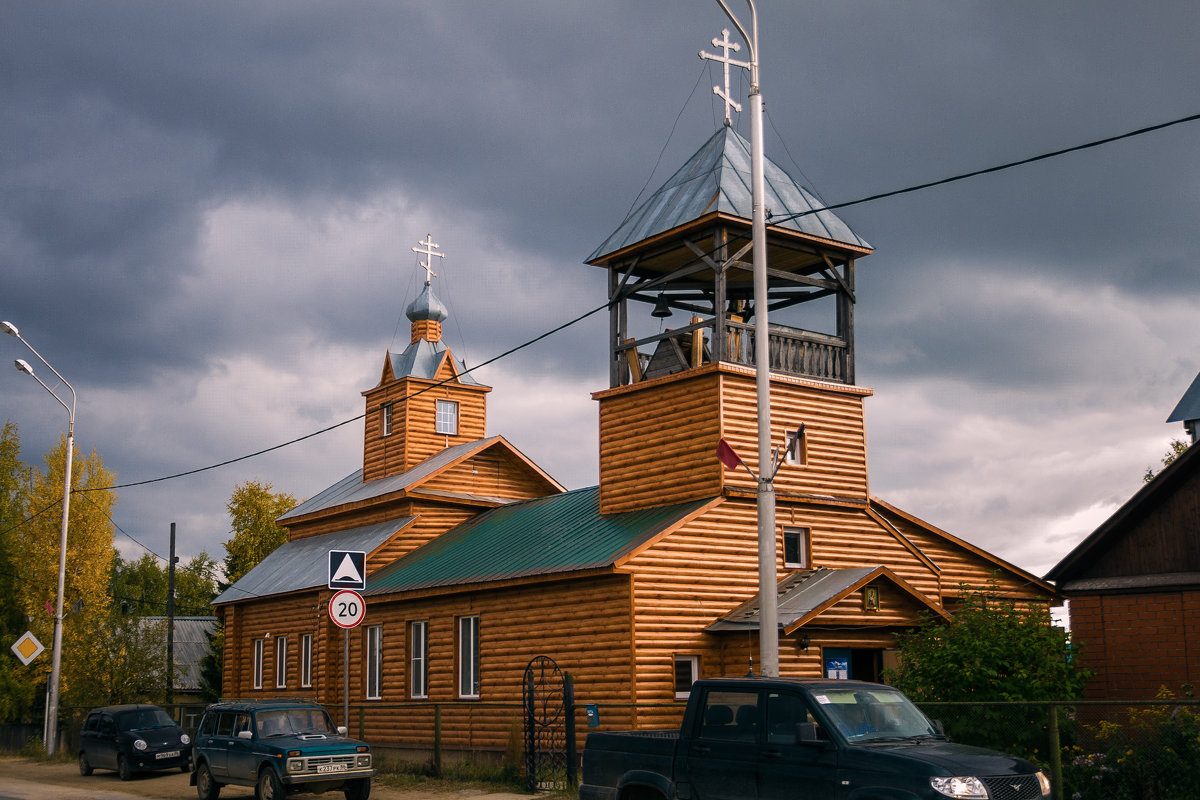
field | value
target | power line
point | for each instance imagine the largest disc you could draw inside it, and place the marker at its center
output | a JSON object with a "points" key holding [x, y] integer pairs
{"points": [[989, 170], [585, 315]]}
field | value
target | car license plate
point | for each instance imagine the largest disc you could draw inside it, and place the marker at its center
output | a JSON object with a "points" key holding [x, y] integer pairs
{"points": [[331, 768], [167, 754]]}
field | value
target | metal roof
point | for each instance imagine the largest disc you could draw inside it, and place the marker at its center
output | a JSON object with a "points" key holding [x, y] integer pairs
{"points": [[1189, 405], [303, 563], [560, 533], [717, 179], [352, 489], [799, 595], [191, 645], [422, 358]]}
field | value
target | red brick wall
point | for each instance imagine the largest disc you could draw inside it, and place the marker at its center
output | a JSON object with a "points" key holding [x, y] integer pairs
{"points": [[1138, 643]]}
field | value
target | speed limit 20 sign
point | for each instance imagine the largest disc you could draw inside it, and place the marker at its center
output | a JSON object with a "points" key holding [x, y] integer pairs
{"points": [[346, 608]]}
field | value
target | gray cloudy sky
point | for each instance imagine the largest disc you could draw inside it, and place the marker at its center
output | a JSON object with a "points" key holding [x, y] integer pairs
{"points": [[207, 212]]}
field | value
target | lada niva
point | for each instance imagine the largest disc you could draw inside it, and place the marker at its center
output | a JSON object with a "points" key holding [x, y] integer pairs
{"points": [[280, 747]]}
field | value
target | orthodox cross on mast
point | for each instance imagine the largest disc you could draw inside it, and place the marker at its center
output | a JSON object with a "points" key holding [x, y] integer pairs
{"points": [[429, 247], [726, 61]]}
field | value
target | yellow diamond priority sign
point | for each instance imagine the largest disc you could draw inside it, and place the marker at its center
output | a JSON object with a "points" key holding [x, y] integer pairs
{"points": [[27, 648]]}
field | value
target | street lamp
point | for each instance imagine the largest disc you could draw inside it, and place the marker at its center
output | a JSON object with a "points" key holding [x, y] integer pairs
{"points": [[51, 724]]}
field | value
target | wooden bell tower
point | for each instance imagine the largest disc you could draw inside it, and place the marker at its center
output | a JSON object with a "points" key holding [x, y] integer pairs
{"points": [[681, 376]]}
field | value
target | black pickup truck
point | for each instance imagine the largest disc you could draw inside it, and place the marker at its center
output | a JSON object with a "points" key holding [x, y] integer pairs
{"points": [[775, 738]]}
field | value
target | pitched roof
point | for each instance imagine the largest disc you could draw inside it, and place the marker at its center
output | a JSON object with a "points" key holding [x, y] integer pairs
{"points": [[423, 358], [1143, 502], [352, 488], [804, 595], [190, 641], [1188, 407], [303, 563], [716, 179], [556, 534]]}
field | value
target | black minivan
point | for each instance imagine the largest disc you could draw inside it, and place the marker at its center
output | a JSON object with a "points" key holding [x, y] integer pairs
{"points": [[132, 738]]}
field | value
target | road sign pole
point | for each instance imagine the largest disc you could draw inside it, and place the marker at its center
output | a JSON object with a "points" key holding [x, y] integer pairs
{"points": [[346, 679]]}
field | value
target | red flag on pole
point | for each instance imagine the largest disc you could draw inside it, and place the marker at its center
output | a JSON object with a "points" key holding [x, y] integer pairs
{"points": [[727, 455]]}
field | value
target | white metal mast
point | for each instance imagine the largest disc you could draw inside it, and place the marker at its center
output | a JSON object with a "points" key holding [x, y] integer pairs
{"points": [[768, 634]]}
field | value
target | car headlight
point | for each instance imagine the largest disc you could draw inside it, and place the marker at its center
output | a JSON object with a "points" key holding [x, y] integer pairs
{"points": [[960, 786], [139, 744], [1043, 783], [185, 739]]}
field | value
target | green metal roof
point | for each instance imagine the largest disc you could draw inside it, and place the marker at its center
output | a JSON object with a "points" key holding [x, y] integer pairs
{"points": [[560, 533]]}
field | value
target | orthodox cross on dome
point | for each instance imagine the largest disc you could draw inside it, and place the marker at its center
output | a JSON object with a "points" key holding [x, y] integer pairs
{"points": [[726, 60], [429, 247]]}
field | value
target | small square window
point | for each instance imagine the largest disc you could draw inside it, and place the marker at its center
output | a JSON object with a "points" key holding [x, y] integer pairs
{"points": [[687, 671], [796, 548], [447, 417]]}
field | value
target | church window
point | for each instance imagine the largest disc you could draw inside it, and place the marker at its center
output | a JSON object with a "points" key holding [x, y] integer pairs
{"points": [[258, 663], [374, 662], [797, 447], [418, 658], [385, 419], [795, 548], [687, 670], [468, 657], [447, 417]]}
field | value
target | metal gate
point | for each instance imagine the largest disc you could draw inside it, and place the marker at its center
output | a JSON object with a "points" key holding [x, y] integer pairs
{"points": [[549, 727]]}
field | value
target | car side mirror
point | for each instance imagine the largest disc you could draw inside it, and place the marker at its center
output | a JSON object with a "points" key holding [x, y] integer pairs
{"points": [[341, 729], [245, 734]]}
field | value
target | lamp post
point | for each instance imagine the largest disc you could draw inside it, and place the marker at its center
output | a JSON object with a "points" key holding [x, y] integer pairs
{"points": [[51, 724]]}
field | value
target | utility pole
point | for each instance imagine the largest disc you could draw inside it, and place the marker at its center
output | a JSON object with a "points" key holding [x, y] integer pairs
{"points": [[171, 619]]}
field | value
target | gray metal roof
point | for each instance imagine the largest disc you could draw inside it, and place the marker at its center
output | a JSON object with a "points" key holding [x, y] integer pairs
{"points": [[1188, 407], [303, 563], [799, 595], [717, 179], [191, 646], [422, 358], [352, 489]]}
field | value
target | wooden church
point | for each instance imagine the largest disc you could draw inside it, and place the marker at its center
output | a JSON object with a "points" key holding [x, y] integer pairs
{"points": [[479, 561]]}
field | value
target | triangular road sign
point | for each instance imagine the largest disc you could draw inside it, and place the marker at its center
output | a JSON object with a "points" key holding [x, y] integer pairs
{"points": [[347, 569]]}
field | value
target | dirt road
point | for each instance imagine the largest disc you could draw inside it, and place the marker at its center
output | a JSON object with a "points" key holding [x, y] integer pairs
{"points": [[26, 779]]}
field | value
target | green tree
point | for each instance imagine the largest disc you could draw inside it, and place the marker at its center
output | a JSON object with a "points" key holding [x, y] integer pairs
{"points": [[253, 509], [196, 586], [140, 587], [1176, 450], [994, 650]]}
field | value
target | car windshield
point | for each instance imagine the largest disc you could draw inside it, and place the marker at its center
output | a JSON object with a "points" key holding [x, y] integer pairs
{"points": [[875, 714], [142, 719], [292, 722]]}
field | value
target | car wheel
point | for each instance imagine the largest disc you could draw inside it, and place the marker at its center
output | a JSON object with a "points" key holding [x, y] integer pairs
{"points": [[85, 766], [123, 768], [206, 787], [359, 789], [269, 787]]}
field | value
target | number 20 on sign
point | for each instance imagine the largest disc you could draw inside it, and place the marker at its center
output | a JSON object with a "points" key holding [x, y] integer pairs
{"points": [[346, 608]]}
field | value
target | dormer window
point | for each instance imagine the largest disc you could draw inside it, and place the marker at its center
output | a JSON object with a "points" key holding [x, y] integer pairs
{"points": [[385, 419], [447, 417]]}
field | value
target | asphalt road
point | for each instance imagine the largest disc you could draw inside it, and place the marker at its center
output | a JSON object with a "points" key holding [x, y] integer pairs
{"points": [[27, 779]]}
